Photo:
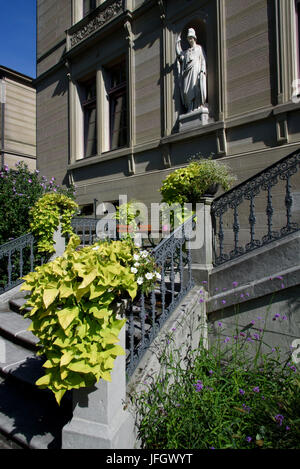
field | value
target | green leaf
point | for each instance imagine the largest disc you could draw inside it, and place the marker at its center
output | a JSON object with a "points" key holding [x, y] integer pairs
{"points": [[67, 315], [49, 296]]}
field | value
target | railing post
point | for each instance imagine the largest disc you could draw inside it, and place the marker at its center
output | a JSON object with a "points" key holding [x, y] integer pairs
{"points": [[99, 419], [202, 243]]}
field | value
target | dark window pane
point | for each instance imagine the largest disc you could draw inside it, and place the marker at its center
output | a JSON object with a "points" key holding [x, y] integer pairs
{"points": [[88, 5], [90, 118], [118, 106]]}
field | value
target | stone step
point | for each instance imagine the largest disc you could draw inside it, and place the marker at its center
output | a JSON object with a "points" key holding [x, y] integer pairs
{"points": [[32, 418], [20, 364], [14, 327], [15, 305]]}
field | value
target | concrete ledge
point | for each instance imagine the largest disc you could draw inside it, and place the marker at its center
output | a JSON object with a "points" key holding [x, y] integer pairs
{"points": [[256, 273]]}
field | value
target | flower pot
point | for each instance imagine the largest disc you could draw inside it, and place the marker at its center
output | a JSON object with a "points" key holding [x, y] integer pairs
{"points": [[211, 190]]}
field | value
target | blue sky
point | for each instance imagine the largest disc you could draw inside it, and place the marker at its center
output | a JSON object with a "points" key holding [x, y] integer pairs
{"points": [[18, 35]]}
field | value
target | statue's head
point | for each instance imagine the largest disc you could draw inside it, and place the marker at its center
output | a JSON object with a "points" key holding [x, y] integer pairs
{"points": [[191, 36]]}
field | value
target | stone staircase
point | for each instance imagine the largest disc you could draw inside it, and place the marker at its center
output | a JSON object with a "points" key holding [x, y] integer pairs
{"points": [[29, 416]]}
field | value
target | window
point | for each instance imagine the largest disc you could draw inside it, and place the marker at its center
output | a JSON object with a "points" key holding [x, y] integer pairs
{"points": [[117, 97], [88, 6], [89, 107]]}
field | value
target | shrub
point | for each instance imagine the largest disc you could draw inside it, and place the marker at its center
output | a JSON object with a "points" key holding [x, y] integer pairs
{"points": [[189, 184], [221, 398], [19, 190], [46, 215], [73, 301]]}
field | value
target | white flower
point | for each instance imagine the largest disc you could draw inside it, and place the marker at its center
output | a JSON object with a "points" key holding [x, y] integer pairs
{"points": [[144, 254], [158, 276], [133, 270], [96, 248], [140, 280], [137, 264], [136, 257], [149, 276]]}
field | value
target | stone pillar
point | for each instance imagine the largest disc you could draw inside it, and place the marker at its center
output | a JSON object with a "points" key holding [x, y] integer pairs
{"points": [[202, 244], [99, 419]]}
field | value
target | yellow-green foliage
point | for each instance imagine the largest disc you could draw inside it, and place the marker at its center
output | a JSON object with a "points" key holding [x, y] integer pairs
{"points": [[188, 185], [73, 312], [45, 216]]}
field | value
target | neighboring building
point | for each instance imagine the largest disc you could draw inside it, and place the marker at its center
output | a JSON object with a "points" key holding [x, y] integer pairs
{"points": [[110, 114], [17, 118]]}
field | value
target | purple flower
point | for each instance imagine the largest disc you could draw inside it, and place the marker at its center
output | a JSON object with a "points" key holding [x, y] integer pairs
{"points": [[201, 300], [212, 447], [249, 439], [234, 284], [252, 322], [256, 336], [277, 316], [287, 428], [224, 302], [241, 391], [199, 386], [30, 180], [210, 372], [284, 318], [220, 324], [256, 389], [226, 340], [246, 408], [242, 334], [279, 419]]}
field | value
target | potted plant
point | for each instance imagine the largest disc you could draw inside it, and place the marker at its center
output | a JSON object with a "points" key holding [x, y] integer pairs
{"points": [[201, 177]]}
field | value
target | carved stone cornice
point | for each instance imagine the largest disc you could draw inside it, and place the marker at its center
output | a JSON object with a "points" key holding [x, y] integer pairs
{"points": [[101, 18]]}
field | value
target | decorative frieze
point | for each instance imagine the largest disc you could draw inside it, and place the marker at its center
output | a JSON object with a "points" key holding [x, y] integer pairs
{"points": [[102, 18]]}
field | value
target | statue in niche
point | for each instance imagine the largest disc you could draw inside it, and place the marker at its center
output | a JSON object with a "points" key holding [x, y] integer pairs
{"points": [[192, 73]]}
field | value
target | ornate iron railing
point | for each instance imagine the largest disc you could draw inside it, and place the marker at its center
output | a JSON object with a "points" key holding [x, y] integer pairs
{"points": [[17, 258], [227, 210], [147, 314], [85, 228]]}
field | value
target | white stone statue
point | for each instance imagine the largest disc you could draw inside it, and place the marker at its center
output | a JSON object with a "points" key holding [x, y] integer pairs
{"points": [[192, 73]]}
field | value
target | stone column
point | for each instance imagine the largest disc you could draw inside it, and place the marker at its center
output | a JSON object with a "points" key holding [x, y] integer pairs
{"points": [[99, 419], [202, 243]]}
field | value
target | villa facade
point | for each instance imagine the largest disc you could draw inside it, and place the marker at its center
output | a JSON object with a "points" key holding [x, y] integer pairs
{"points": [[110, 112]]}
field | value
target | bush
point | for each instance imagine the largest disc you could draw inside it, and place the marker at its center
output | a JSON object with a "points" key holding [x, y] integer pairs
{"points": [[73, 303], [221, 398], [189, 184], [45, 216], [19, 190]]}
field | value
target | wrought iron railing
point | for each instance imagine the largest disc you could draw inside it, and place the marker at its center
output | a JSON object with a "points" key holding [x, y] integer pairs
{"points": [[147, 314], [17, 258], [85, 228], [235, 232]]}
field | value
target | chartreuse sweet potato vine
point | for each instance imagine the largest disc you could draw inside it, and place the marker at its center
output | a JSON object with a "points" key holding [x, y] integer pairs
{"points": [[45, 216], [73, 312]]}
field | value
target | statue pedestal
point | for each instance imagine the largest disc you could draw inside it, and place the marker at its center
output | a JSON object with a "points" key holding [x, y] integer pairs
{"points": [[194, 119]]}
